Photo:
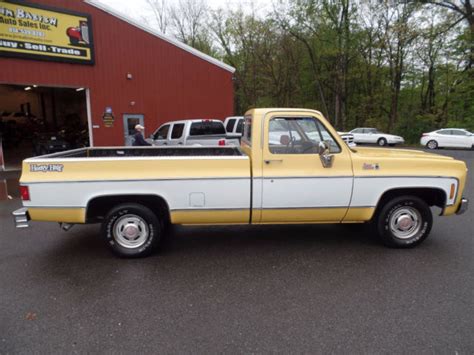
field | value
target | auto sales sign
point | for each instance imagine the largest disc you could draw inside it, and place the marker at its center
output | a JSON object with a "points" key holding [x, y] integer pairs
{"points": [[36, 31]]}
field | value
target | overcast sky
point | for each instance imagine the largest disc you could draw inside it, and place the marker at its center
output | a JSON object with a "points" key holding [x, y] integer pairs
{"points": [[139, 8]]}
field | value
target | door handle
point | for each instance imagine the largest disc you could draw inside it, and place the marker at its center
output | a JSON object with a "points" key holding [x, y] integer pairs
{"points": [[268, 161]]}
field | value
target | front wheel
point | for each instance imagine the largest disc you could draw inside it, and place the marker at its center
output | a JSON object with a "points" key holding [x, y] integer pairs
{"points": [[382, 142], [404, 222], [131, 230]]}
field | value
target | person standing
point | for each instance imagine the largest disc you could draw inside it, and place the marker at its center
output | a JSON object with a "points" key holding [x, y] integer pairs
{"points": [[138, 139]]}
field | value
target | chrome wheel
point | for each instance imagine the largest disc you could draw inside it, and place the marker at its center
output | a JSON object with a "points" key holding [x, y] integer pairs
{"points": [[131, 231], [405, 222]]}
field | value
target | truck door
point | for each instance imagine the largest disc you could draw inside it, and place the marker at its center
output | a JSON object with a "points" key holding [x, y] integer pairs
{"points": [[161, 135], [176, 136], [296, 186]]}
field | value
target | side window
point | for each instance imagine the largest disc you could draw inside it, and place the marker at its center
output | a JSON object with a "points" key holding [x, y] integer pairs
{"points": [[240, 126], [298, 135], [458, 132], [247, 136], [177, 131], [357, 130], [162, 133], [445, 132], [230, 125]]}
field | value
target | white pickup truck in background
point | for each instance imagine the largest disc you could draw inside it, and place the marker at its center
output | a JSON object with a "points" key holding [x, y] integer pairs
{"points": [[234, 126], [197, 132]]}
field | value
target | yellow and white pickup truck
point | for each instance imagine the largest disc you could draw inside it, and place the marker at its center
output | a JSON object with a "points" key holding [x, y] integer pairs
{"points": [[291, 167]]}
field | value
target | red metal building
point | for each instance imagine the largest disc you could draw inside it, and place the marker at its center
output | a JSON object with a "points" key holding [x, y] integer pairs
{"points": [[136, 73]]}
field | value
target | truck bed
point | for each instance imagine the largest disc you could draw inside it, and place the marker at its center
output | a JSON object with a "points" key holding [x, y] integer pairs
{"points": [[199, 185], [146, 152]]}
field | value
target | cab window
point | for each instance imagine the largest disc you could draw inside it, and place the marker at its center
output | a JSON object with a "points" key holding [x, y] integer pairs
{"points": [[177, 131], [162, 133], [298, 135], [247, 135], [230, 125], [240, 126]]}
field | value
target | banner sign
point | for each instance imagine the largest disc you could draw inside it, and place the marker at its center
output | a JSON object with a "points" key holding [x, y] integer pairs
{"points": [[36, 31]]}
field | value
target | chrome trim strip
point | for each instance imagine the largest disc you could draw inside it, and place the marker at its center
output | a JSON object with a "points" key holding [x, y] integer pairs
{"points": [[63, 160], [306, 177], [133, 180], [207, 209], [59, 207], [265, 208]]}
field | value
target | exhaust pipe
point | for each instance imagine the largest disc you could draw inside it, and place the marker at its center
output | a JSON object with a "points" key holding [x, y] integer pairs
{"points": [[65, 226]]}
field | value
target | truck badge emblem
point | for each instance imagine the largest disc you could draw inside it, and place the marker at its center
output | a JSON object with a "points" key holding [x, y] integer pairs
{"points": [[44, 168], [367, 166]]}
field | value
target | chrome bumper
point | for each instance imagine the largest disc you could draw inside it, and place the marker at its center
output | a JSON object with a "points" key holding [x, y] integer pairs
{"points": [[463, 206], [21, 217]]}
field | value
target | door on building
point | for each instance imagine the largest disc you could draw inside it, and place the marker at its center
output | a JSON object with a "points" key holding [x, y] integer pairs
{"points": [[129, 123]]}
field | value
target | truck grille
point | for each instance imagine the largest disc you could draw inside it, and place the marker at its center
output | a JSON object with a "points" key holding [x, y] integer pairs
{"points": [[348, 138]]}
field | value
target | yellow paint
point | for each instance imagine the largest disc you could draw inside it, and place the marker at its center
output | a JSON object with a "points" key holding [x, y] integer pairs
{"points": [[359, 214], [303, 215], [391, 162], [67, 215], [138, 169], [210, 217], [53, 31]]}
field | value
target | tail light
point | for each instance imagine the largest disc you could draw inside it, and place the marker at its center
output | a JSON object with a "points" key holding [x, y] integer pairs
{"points": [[221, 142], [451, 192], [24, 193], [424, 134]]}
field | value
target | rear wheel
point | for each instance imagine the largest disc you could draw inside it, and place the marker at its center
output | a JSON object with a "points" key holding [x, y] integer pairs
{"points": [[382, 142], [132, 230], [404, 222], [432, 144]]}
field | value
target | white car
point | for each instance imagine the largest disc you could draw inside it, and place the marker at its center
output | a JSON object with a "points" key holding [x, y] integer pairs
{"points": [[374, 136], [448, 138]]}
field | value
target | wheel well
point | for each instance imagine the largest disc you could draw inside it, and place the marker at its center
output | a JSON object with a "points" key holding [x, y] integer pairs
{"points": [[98, 207], [431, 195]]}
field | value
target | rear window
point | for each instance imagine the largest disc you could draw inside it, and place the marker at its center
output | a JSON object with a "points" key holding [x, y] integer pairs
{"points": [[230, 125], [177, 131], [206, 128]]}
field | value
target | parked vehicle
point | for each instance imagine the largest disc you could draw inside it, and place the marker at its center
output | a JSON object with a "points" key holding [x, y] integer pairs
{"points": [[234, 126], [47, 143], [308, 177], [374, 136], [192, 132], [348, 138], [448, 138]]}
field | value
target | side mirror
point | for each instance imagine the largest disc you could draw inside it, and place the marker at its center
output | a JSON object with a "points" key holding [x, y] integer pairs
{"points": [[324, 154]]}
